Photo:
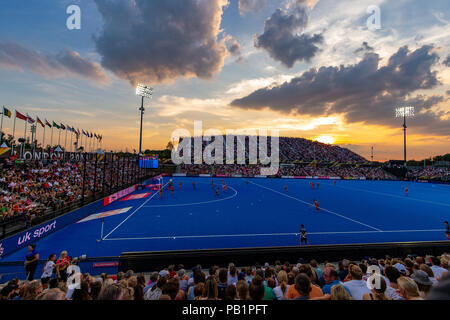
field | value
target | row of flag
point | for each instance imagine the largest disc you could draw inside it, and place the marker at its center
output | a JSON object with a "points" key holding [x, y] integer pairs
{"points": [[30, 120]]}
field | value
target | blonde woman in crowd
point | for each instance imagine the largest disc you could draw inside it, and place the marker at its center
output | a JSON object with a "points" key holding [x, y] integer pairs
{"points": [[408, 289], [338, 292]]}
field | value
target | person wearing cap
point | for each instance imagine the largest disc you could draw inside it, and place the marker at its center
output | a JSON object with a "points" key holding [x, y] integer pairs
{"points": [[401, 268], [163, 273], [423, 282], [183, 279]]}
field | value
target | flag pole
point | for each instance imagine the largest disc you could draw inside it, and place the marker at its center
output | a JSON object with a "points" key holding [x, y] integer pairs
{"points": [[14, 131], [1, 124], [35, 136], [43, 144], [51, 139], [24, 137], [65, 145]]}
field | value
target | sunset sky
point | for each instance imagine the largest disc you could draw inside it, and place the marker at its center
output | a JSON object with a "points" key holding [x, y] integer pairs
{"points": [[310, 68]]}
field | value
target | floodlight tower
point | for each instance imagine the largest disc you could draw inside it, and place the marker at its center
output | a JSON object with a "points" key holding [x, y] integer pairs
{"points": [[144, 92], [404, 112]]}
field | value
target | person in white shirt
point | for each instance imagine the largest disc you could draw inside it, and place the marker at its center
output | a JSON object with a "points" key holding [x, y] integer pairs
{"points": [[47, 271], [356, 286], [436, 268]]}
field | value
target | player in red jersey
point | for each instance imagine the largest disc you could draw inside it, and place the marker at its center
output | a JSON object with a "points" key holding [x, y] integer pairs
{"points": [[193, 184], [316, 204], [447, 230], [406, 191], [181, 185], [334, 183], [286, 188], [160, 193], [312, 185], [217, 192]]}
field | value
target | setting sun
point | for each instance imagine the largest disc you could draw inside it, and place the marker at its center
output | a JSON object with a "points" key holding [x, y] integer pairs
{"points": [[326, 139]]}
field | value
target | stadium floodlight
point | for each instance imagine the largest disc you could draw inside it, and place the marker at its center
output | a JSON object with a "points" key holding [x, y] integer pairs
{"points": [[404, 112], [144, 92]]}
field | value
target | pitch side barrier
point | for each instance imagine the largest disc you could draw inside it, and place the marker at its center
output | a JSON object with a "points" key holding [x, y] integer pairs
{"points": [[36, 233], [95, 266], [148, 261]]}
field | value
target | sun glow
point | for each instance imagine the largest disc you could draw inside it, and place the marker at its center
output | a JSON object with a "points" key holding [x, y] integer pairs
{"points": [[326, 139]]}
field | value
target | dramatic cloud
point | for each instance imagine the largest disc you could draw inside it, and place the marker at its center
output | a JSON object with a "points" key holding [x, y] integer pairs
{"points": [[251, 5], [65, 63], [233, 46], [447, 61], [364, 48], [364, 92], [281, 39], [159, 40]]}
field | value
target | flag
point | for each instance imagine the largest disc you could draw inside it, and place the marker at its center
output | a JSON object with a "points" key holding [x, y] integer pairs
{"points": [[30, 119], [20, 116], [48, 123], [40, 122], [91, 135], [85, 133], [6, 112], [95, 135], [55, 125], [62, 126], [78, 131]]}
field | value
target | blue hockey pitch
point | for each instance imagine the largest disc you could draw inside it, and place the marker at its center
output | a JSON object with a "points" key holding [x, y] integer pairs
{"points": [[259, 213]]}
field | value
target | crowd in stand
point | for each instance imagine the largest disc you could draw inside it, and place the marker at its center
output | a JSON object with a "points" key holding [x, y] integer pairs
{"points": [[31, 189], [307, 150], [432, 173], [355, 172], [290, 149], [412, 278]]}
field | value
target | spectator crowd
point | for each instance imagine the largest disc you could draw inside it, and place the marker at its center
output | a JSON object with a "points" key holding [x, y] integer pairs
{"points": [[412, 278], [342, 171], [430, 173], [32, 189]]}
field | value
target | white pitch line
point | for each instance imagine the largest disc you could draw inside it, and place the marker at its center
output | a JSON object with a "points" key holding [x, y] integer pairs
{"points": [[195, 203], [392, 195], [329, 211], [268, 235], [145, 202]]}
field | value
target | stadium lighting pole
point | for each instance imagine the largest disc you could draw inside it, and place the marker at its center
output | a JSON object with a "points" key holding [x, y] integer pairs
{"points": [[404, 112], [143, 92]]}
